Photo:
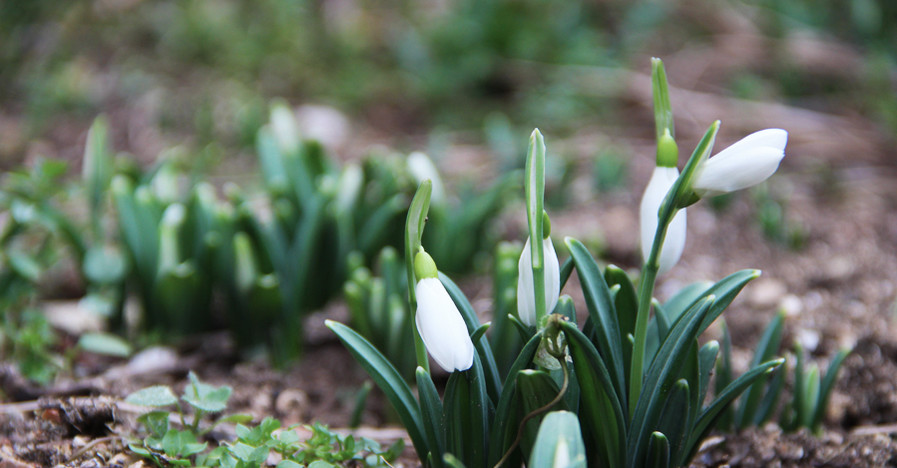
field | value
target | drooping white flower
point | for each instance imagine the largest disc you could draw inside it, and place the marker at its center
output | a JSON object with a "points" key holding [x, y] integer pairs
{"points": [[526, 294], [674, 242], [438, 320], [748, 162]]}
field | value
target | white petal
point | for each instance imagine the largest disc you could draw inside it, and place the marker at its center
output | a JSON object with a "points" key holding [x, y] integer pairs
{"points": [[441, 326], [422, 168], [674, 243], [749, 168], [771, 138], [526, 294], [552, 276]]}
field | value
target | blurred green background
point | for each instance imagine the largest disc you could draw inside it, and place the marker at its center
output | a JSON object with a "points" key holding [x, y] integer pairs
{"points": [[201, 73]]}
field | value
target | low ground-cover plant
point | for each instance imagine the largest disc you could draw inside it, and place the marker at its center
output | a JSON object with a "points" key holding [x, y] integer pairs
{"points": [[637, 384], [35, 235], [173, 441], [166, 237], [810, 391]]}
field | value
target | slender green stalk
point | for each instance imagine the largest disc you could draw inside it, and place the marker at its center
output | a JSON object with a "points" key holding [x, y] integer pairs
{"points": [[645, 292]]}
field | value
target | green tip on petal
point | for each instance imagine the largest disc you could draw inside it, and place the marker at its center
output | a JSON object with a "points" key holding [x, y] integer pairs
{"points": [[424, 266], [546, 225], [667, 151]]}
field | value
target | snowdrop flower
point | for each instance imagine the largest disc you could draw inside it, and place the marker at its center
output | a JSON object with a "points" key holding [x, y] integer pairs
{"points": [[746, 163], [422, 168], [663, 178], [526, 294], [674, 242], [438, 320]]}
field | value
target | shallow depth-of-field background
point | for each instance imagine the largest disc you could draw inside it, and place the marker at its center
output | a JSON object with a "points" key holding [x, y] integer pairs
{"points": [[466, 82]]}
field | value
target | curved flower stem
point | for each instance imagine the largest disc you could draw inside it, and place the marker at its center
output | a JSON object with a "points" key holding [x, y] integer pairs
{"points": [[414, 231], [537, 412]]}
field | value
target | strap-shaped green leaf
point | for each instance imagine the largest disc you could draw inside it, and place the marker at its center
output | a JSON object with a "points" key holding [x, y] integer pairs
{"points": [[706, 362], [724, 291], [811, 395], [825, 389], [467, 415], [709, 416], [659, 380], [505, 341], [691, 372], [138, 221], [770, 400], [626, 305], [484, 349], [432, 415], [537, 389], [724, 377], [97, 170], [566, 271], [684, 298], [388, 380], [766, 349], [479, 332], [658, 329], [799, 404], [658, 451], [674, 420], [601, 311], [601, 409], [270, 160], [559, 442]]}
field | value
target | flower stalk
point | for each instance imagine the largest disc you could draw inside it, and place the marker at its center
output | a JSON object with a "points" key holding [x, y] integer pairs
{"points": [[414, 230]]}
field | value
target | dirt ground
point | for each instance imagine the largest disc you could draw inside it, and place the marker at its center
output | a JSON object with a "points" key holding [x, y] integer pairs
{"points": [[837, 288]]}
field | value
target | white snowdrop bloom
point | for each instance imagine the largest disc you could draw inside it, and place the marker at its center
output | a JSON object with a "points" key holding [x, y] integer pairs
{"points": [[526, 294], [748, 162], [438, 320], [422, 168], [674, 242]]}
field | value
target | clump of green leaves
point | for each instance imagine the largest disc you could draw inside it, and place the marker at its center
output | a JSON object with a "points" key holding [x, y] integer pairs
{"points": [[811, 391], [483, 420], [184, 445]]}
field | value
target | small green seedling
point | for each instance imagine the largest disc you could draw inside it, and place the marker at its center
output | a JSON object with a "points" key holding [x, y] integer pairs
{"points": [[168, 445], [184, 445]]}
